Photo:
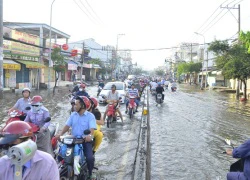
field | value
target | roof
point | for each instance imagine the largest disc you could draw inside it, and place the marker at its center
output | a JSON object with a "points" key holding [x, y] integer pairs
{"points": [[34, 28]]}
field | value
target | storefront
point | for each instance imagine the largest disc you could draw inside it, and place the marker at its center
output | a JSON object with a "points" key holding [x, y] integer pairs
{"points": [[71, 73], [28, 76], [9, 73]]}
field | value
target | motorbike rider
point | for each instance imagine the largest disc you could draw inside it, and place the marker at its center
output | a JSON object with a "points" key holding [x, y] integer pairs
{"points": [[22, 103], [101, 83], [133, 92], [98, 135], [82, 91], [243, 151], [37, 116], [159, 90], [40, 166], [113, 96], [173, 86], [79, 121]]}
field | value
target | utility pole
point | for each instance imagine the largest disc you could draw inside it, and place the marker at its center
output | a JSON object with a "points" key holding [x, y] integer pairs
{"points": [[1, 49], [206, 71], [238, 81], [82, 60]]}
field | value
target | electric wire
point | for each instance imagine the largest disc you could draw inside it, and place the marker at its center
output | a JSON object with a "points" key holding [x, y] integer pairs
{"points": [[93, 21], [88, 10], [93, 10]]}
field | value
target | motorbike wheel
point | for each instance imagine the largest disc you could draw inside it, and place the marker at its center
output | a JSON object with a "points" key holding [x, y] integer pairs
{"points": [[70, 173], [109, 121], [130, 113]]}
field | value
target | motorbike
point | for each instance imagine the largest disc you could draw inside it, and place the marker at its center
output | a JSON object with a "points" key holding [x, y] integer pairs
{"points": [[72, 163], [131, 106], [14, 115], [159, 99], [153, 92], [173, 89]]}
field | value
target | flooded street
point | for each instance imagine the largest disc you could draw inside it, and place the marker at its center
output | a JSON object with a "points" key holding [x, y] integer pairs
{"points": [[187, 133]]}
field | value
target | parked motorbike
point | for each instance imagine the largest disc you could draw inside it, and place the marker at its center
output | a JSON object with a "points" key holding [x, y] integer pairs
{"points": [[159, 99], [131, 106], [72, 163]]}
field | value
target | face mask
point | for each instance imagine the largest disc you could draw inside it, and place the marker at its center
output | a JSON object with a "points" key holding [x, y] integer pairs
{"points": [[80, 89], [35, 109]]}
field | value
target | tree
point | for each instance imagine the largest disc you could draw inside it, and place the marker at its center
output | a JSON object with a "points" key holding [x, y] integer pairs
{"points": [[188, 68], [233, 60], [159, 71], [59, 63]]}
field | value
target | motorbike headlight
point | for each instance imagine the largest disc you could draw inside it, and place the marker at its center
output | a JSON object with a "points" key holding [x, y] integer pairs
{"points": [[68, 141]]}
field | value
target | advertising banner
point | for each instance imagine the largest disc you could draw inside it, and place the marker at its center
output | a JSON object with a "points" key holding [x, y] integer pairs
{"points": [[19, 48]]}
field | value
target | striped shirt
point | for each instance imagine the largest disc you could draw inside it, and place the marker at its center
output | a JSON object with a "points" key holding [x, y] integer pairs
{"points": [[133, 92]]}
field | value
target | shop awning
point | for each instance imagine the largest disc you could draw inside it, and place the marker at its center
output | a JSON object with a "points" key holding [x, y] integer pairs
{"points": [[32, 64], [9, 64]]}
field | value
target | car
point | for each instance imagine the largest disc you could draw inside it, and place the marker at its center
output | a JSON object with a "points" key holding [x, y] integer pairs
{"points": [[120, 87]]}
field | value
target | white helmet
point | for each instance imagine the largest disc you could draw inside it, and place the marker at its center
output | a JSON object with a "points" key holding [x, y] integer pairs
{"points": [[26, 89]]}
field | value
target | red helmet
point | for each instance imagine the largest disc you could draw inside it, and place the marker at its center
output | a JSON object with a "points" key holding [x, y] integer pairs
{"points": [[36, 99], [15, 130], [94, 102], [82, 86], [85, 101]]}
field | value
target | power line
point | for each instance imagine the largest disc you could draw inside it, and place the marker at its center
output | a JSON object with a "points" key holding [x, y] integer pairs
{"points": [[93, 10], [210, 16], [215, 22], [87, 10], [84, 11]]}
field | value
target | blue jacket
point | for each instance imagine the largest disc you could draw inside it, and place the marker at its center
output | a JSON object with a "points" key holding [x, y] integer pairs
{"points": [[82, 93], [243, 151]]}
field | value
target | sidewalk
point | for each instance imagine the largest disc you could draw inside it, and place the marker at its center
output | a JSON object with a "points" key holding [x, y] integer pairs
{"points": [[59, 84]]}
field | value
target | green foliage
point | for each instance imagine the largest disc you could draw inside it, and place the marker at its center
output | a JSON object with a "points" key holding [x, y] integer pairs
{"points": [[159, 71], [234, 61], [188, 68], [137, 71], [58, 60], [245, 39], [219, 47]]}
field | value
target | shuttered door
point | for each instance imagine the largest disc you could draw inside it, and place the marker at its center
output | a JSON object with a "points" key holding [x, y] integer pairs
{"points": [[22, 75]]}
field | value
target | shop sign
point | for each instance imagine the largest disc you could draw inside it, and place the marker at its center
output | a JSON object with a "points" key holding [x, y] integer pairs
{"points": [[11, 66], [24, 49], [72, 67]]}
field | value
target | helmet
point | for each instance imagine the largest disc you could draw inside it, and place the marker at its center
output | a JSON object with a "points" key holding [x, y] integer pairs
{"points": [[14, 131], [94, 102], [85, 101], [36, 100], [26, 89], [82, 86]]}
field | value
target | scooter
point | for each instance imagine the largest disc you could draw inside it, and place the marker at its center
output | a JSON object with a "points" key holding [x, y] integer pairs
{"points": [[131, 106], [159, 99], [72, 163], [14, 115]]}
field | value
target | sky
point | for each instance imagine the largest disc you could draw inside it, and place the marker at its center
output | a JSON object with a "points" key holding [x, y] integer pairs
{"points": [[147, 24]]}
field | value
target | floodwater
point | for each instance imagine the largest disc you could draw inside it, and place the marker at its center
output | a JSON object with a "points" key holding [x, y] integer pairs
{"points": [[188, 132]]}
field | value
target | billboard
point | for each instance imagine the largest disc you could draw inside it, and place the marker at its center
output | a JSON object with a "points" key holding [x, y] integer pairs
{"points": [[23, 49]]}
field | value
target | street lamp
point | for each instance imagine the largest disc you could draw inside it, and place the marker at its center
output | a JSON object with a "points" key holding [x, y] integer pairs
{"points": [[50, 62], [203, 62], [117, 38]]}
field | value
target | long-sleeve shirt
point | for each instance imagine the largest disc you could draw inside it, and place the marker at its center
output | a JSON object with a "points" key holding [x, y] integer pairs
{"points": [[38, 118], [243, 151], [42, 166]]}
